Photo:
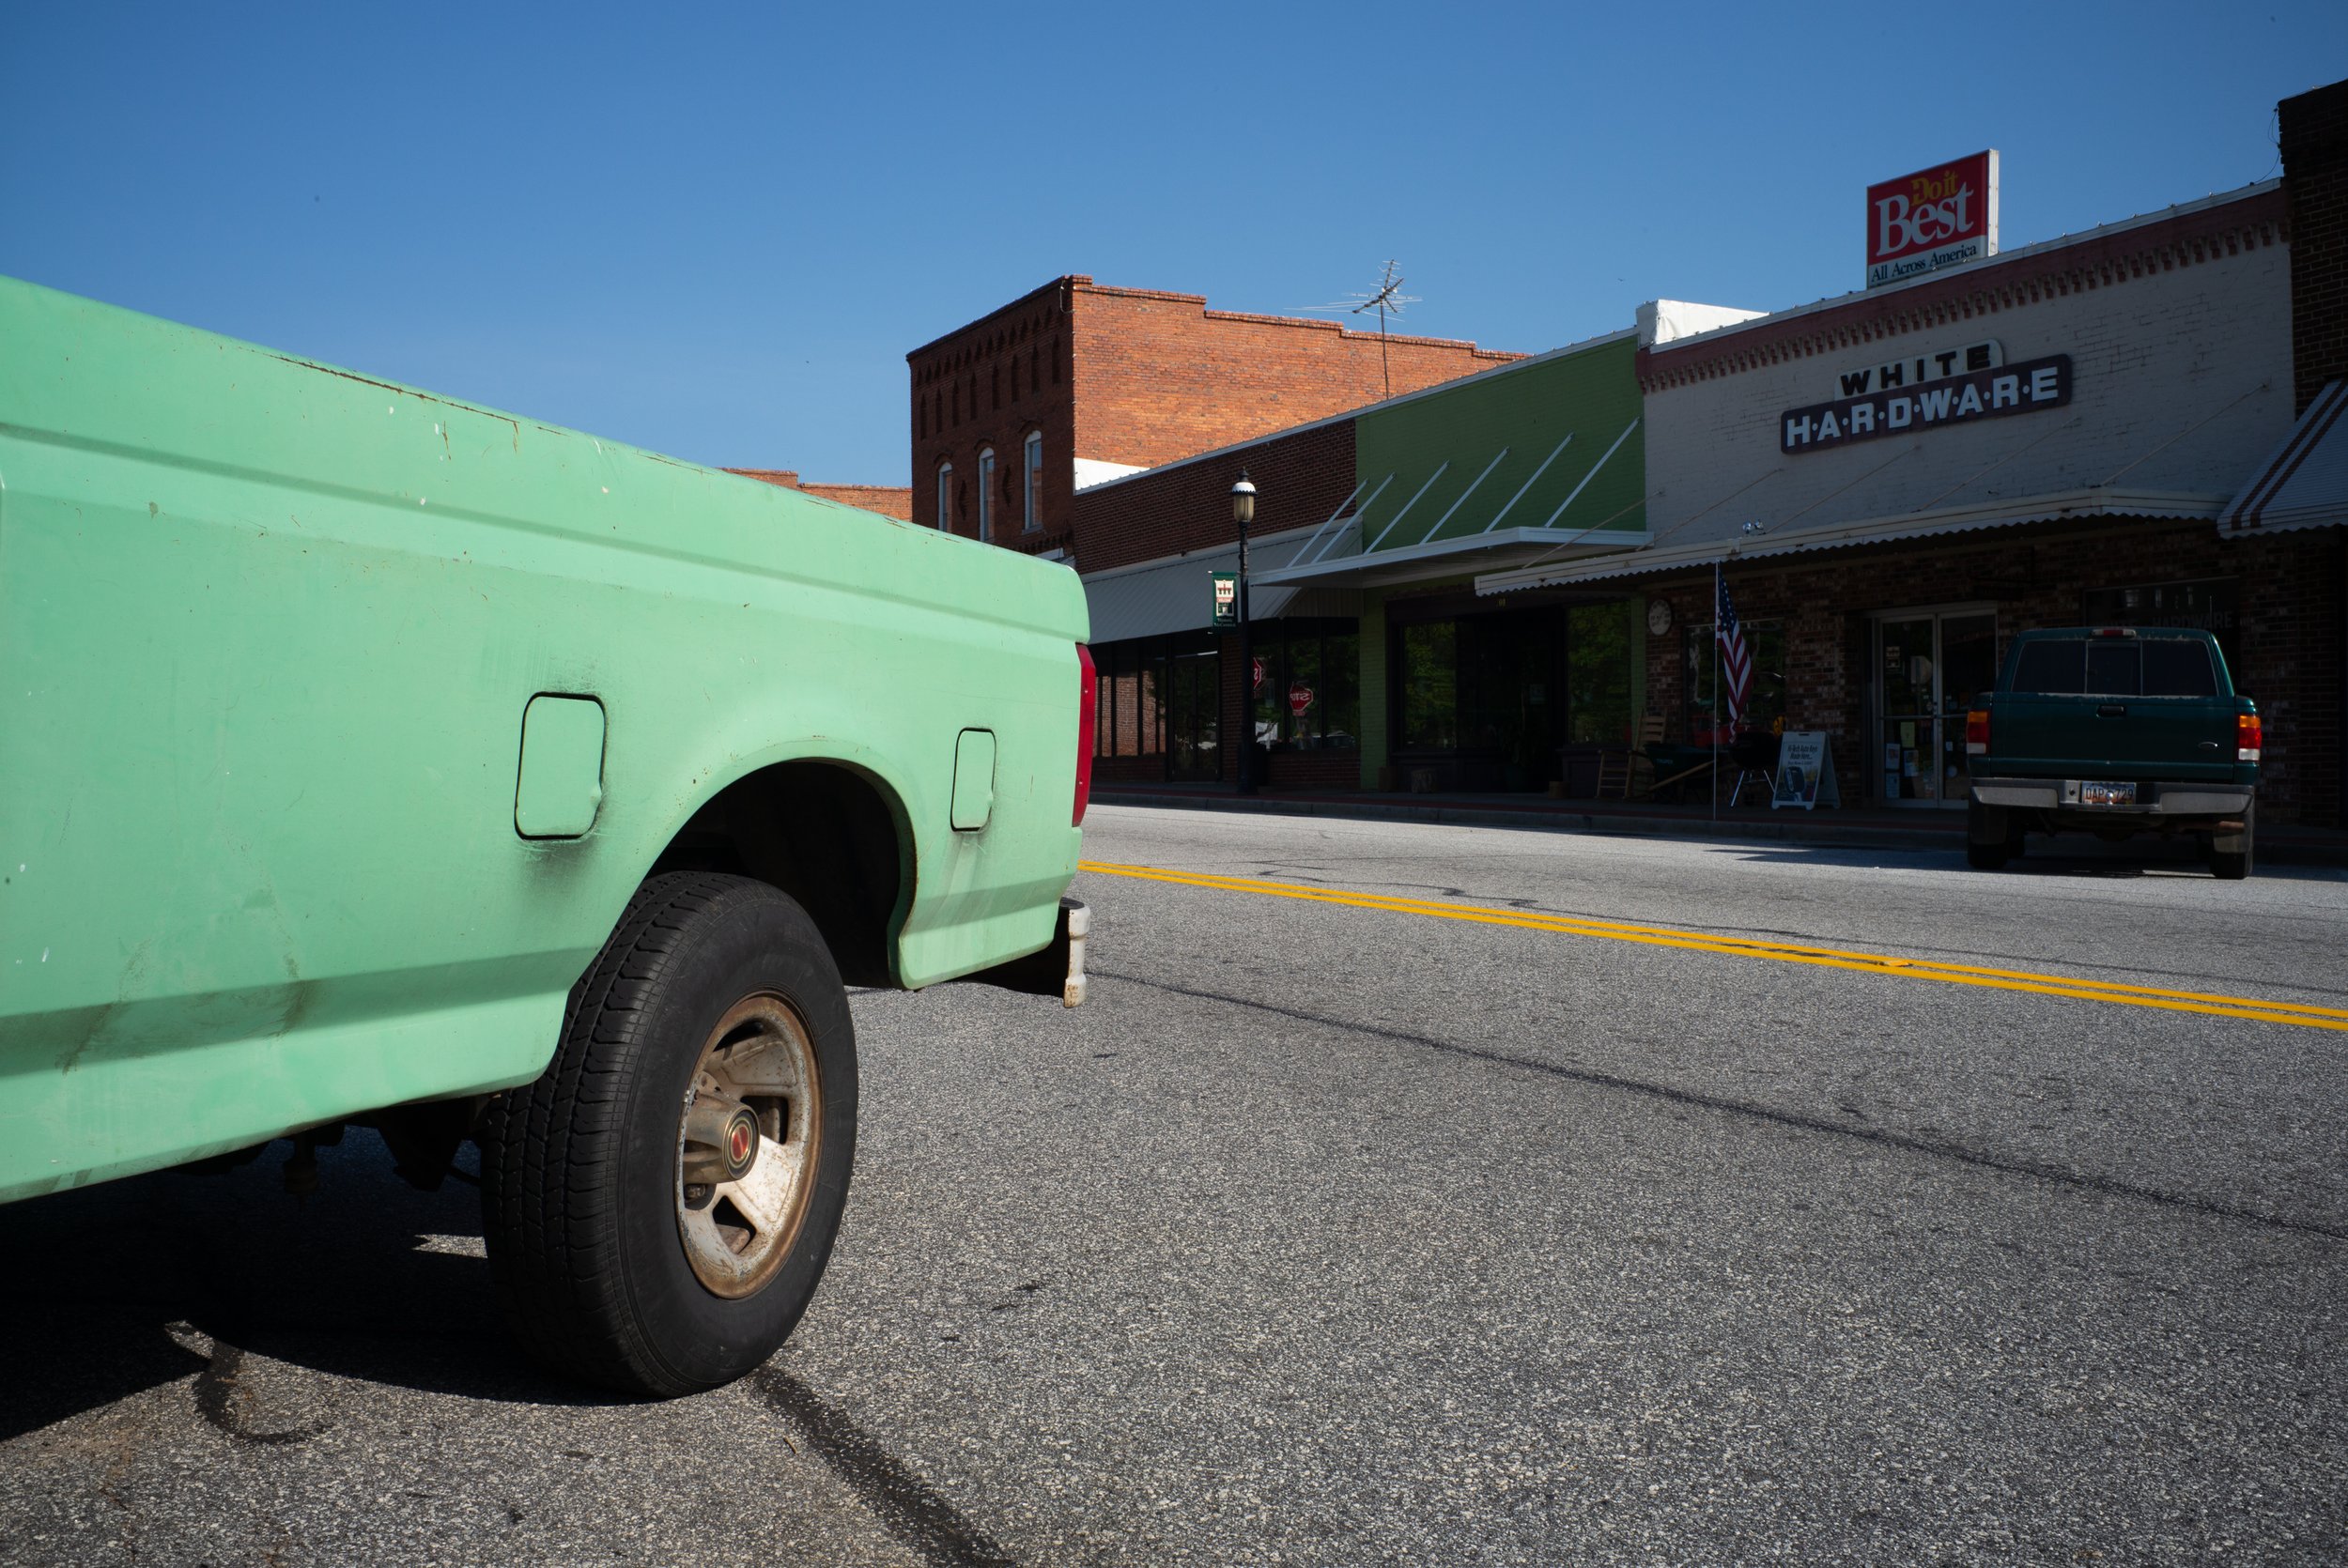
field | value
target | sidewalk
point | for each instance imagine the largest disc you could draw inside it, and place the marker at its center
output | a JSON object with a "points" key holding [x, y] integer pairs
{"points": [[1925, 829]]}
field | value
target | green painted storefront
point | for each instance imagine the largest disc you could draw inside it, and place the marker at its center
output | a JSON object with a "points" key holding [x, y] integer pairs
{"points": [[1538, 461]]}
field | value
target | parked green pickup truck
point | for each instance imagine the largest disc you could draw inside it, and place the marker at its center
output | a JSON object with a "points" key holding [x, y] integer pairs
{"points": [[2113, 731], [371, 758]]}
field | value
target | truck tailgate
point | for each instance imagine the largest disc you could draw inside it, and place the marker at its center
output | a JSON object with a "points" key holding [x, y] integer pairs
{"points": [[2115, 706]]}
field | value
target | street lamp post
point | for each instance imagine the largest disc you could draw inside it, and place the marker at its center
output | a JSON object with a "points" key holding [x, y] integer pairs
{"points": [[1243, 513]]}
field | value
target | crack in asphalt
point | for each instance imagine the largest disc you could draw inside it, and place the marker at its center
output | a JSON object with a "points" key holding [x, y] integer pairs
{"points": [[915, 1513], [1936, 1148]]}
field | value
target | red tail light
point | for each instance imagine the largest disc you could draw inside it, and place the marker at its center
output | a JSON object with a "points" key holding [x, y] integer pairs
{"points": [[2249, 737], [1088, 685], [1977, 732]]}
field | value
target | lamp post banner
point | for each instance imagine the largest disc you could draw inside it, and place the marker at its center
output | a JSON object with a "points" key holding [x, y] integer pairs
{"points": [[1226, 598]]}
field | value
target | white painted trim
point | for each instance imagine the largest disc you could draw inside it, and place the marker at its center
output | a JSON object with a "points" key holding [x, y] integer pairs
{"points": [[1089, 472]]}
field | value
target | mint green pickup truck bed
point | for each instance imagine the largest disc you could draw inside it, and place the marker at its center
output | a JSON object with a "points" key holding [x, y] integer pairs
{"points": [[368, 756]]}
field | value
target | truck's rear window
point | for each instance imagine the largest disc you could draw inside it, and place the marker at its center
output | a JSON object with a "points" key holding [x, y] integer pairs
{"points": [[2116, 667]]}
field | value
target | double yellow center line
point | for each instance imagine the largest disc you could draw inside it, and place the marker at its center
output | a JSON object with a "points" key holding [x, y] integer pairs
{"points": [[2252, 1007]]}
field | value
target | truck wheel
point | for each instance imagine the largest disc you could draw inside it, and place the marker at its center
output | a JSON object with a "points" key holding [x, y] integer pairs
{"points": [[2229, 852], [660, 1203], [1987, 822]]}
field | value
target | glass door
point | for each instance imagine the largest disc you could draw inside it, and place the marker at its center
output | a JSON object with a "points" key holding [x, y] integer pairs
{"points": [[1194, 717], [1969, 667], [1929, 667]]}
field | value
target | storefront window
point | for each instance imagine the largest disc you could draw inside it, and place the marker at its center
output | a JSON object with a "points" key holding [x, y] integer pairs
{"points": [[2211, 606], [1429, 686], [1764, 702], [1598, 674], [1311, 695], [1155, 697]]}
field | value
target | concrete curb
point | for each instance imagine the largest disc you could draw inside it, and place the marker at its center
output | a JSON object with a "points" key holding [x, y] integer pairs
{"points": [[2282, 848]]}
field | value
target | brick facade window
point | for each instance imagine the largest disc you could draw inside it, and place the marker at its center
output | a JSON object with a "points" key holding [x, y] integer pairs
{"points": [[986, 494], [1702, 715], [1034, 489], [945, 498]]}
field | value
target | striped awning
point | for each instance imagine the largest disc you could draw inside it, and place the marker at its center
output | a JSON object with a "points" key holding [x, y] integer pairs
{"points": [[2304, 483]]}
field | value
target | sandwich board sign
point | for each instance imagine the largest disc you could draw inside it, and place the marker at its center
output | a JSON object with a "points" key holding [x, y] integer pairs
{"points": [[1805, 772]]}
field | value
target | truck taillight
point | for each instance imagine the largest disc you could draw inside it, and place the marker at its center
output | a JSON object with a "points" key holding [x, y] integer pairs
{"points": [[2249, 737], [1977, 732], [1088, 686]]}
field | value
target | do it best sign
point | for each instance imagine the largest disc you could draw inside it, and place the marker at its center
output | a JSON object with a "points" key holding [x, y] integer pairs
{"points": [[1932, 218]]}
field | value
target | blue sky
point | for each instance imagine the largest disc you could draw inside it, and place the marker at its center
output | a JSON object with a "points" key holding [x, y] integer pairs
{"points": [[717, 231]]}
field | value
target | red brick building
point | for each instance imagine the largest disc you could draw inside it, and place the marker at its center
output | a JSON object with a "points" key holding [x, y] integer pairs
{"points": [[889, 500], [1077, 382], [2315, 136]]}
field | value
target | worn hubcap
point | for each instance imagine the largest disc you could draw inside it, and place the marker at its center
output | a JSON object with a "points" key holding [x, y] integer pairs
{"points": [[746, 1145]]}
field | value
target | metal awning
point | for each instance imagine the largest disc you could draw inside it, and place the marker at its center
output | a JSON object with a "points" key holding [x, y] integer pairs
{"points": [[2066, 505], [1459, 531], [1175, 593], [1473, 552], [2304, 483]]}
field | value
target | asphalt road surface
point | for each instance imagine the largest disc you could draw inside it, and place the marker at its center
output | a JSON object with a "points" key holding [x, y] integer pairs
{"points": [[1689, 1204]]}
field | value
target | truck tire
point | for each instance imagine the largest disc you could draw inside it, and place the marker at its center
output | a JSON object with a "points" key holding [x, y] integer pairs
{"points": [[1979, 825], [2229, 852], [659, 1205]]}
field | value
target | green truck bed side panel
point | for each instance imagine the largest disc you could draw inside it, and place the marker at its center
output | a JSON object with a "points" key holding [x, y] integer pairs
{"points": [[268, 632]]}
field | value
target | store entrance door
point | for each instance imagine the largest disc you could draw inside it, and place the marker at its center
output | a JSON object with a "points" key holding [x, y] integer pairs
{"points": [[1929, 666], [1194, 723]]}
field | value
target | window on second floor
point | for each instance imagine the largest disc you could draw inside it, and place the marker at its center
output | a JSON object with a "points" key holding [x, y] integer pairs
{"points": [[1035, 480], [946, 498], [986, 494]]}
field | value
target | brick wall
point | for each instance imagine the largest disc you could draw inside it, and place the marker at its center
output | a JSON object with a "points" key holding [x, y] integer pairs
{"points": [[2291, 596], [1136, 376], [2314, 128], [1160, 376], [889, 500], [989, 385], [1300, 480]]}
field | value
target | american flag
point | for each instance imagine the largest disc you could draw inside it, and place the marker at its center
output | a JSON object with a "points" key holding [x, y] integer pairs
{"points": [[1735, 659]]}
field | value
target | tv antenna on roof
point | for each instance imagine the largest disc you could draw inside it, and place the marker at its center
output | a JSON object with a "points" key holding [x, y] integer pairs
{"points": [[1387, 298]]}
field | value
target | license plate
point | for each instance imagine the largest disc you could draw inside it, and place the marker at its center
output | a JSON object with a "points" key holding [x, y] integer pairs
{"points": [[2094, 794]]}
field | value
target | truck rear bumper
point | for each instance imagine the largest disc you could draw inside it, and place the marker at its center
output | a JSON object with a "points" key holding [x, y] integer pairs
{"points": [[2169, 800], [1057, 969]]}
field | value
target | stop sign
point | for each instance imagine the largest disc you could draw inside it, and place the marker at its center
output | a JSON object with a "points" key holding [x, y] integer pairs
{"points": [[1300, 698], [1258, 672]]}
